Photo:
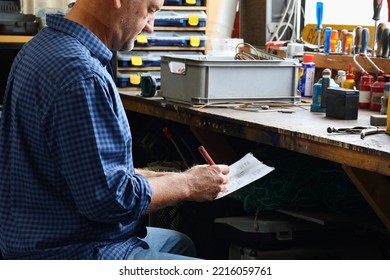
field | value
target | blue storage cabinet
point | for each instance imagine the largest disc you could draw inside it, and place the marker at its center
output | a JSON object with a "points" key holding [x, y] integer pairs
{"points": [[181, 18], [179, 29], [183, 2], [140, 59], [171, 39]]}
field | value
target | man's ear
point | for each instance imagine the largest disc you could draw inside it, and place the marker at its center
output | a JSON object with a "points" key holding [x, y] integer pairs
{"points": [[117, 4]]}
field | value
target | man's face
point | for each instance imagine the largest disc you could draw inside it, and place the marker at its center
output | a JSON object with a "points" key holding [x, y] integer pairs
{"points": [[136, 16]]}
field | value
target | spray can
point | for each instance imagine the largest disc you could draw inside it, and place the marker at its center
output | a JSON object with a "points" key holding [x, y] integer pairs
{"points": [[377, 91], [366, 81], [307, 73]]}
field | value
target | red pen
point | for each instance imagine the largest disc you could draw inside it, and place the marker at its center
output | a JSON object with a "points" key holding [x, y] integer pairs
{"points": [[206, 155]]}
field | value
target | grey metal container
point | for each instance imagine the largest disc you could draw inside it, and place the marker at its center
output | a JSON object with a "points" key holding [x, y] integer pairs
{"points": [[206, 79]]}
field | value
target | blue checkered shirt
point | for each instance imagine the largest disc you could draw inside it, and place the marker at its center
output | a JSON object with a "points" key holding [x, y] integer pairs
{"points": [[68, 188]]}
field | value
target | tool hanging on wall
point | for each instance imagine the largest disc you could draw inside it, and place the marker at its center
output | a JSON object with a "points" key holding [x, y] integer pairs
{"points": [[379, 35], [358, 39], [385, 42], [376, 17], [319, 15]]}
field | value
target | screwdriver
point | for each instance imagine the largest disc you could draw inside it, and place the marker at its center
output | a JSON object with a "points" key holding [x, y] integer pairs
{"points": [[388, 10], [376, 17], [385, 42], [344, 33], [328, 33], [334, 38], [319, 14], [381, 28], [364, 41], [358, 38]]}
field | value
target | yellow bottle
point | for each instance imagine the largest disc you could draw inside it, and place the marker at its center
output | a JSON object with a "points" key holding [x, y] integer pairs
{"points": [[388, 115], [349, 82]]}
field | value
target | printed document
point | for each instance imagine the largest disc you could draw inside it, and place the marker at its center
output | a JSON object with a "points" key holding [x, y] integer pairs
{"points": [[244, 172]]}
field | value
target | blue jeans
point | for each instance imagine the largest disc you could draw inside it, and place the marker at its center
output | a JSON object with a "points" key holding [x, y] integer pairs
{"points": [[164, 244]]}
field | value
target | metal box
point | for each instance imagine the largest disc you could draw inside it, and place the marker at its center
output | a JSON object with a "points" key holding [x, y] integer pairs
{"points": [[206, 79]]}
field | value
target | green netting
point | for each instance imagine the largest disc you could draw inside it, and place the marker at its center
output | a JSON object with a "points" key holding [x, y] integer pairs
{"points": [[302, 183]]}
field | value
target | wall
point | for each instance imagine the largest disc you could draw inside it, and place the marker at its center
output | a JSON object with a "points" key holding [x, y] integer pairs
{"points": [[351, 12]]}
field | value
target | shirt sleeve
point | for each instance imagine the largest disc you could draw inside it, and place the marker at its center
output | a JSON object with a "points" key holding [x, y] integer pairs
{"points": [[90, 139]]}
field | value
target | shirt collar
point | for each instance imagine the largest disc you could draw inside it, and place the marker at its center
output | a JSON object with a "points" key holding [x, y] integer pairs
{"points": [[82, 34]]}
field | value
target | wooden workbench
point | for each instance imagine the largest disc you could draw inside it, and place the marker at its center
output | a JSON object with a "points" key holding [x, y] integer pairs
{"points": [[366, 161]]}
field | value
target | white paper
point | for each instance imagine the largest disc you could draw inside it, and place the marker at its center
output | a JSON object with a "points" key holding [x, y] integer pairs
{"points": [[244, 172]]}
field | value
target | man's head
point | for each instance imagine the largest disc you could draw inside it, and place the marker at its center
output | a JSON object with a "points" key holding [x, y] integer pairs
{"points": [[116, 22]]}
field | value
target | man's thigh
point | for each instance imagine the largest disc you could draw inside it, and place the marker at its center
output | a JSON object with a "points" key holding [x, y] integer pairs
{"points": [[164, 244]]}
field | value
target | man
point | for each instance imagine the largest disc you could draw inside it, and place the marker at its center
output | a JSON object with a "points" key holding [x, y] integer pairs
{"points": [[69, 189]]}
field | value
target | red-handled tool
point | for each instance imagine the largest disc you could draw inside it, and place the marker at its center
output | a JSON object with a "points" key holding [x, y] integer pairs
{"points": [[388, 10], [169, 136]]}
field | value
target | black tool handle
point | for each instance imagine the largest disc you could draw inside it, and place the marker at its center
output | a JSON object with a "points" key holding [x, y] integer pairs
{"points": [[358, 39], [377, 9], [385, 43]]}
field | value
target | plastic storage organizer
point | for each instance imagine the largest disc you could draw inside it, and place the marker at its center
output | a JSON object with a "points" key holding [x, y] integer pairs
{"points": [[205, 79], [181, 18]]}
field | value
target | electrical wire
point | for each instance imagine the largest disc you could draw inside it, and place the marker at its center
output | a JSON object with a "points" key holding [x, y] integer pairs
{"points": [[291, 9], [288, 23], [286, 10]]}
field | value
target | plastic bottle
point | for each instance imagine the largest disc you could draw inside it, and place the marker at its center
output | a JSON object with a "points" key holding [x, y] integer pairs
{"points": [[366, 81], [341, 77], [349, 81], [377, 91], [306, 80], [319, 89], [295, 51]]}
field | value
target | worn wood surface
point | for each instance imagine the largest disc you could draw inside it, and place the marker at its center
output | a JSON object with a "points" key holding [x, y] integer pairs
{"points": [[342, 62], [302, 131]]}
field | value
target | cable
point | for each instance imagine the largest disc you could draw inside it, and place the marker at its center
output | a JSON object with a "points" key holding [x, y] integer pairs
{"points": [[282, 20], [288, 23]]}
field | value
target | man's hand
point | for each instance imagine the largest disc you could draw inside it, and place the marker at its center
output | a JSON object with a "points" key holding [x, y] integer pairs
{"points": [[205, 182], [199, 183]]}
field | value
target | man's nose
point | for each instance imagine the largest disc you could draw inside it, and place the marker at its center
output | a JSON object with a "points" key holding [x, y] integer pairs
{"points": [[149, 27]]}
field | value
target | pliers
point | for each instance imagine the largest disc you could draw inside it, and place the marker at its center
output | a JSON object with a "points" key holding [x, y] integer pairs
{"points": [[363, 130]]}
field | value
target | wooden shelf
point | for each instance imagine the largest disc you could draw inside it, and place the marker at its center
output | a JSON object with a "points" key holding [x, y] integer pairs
{"points": [[342, 62]]}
